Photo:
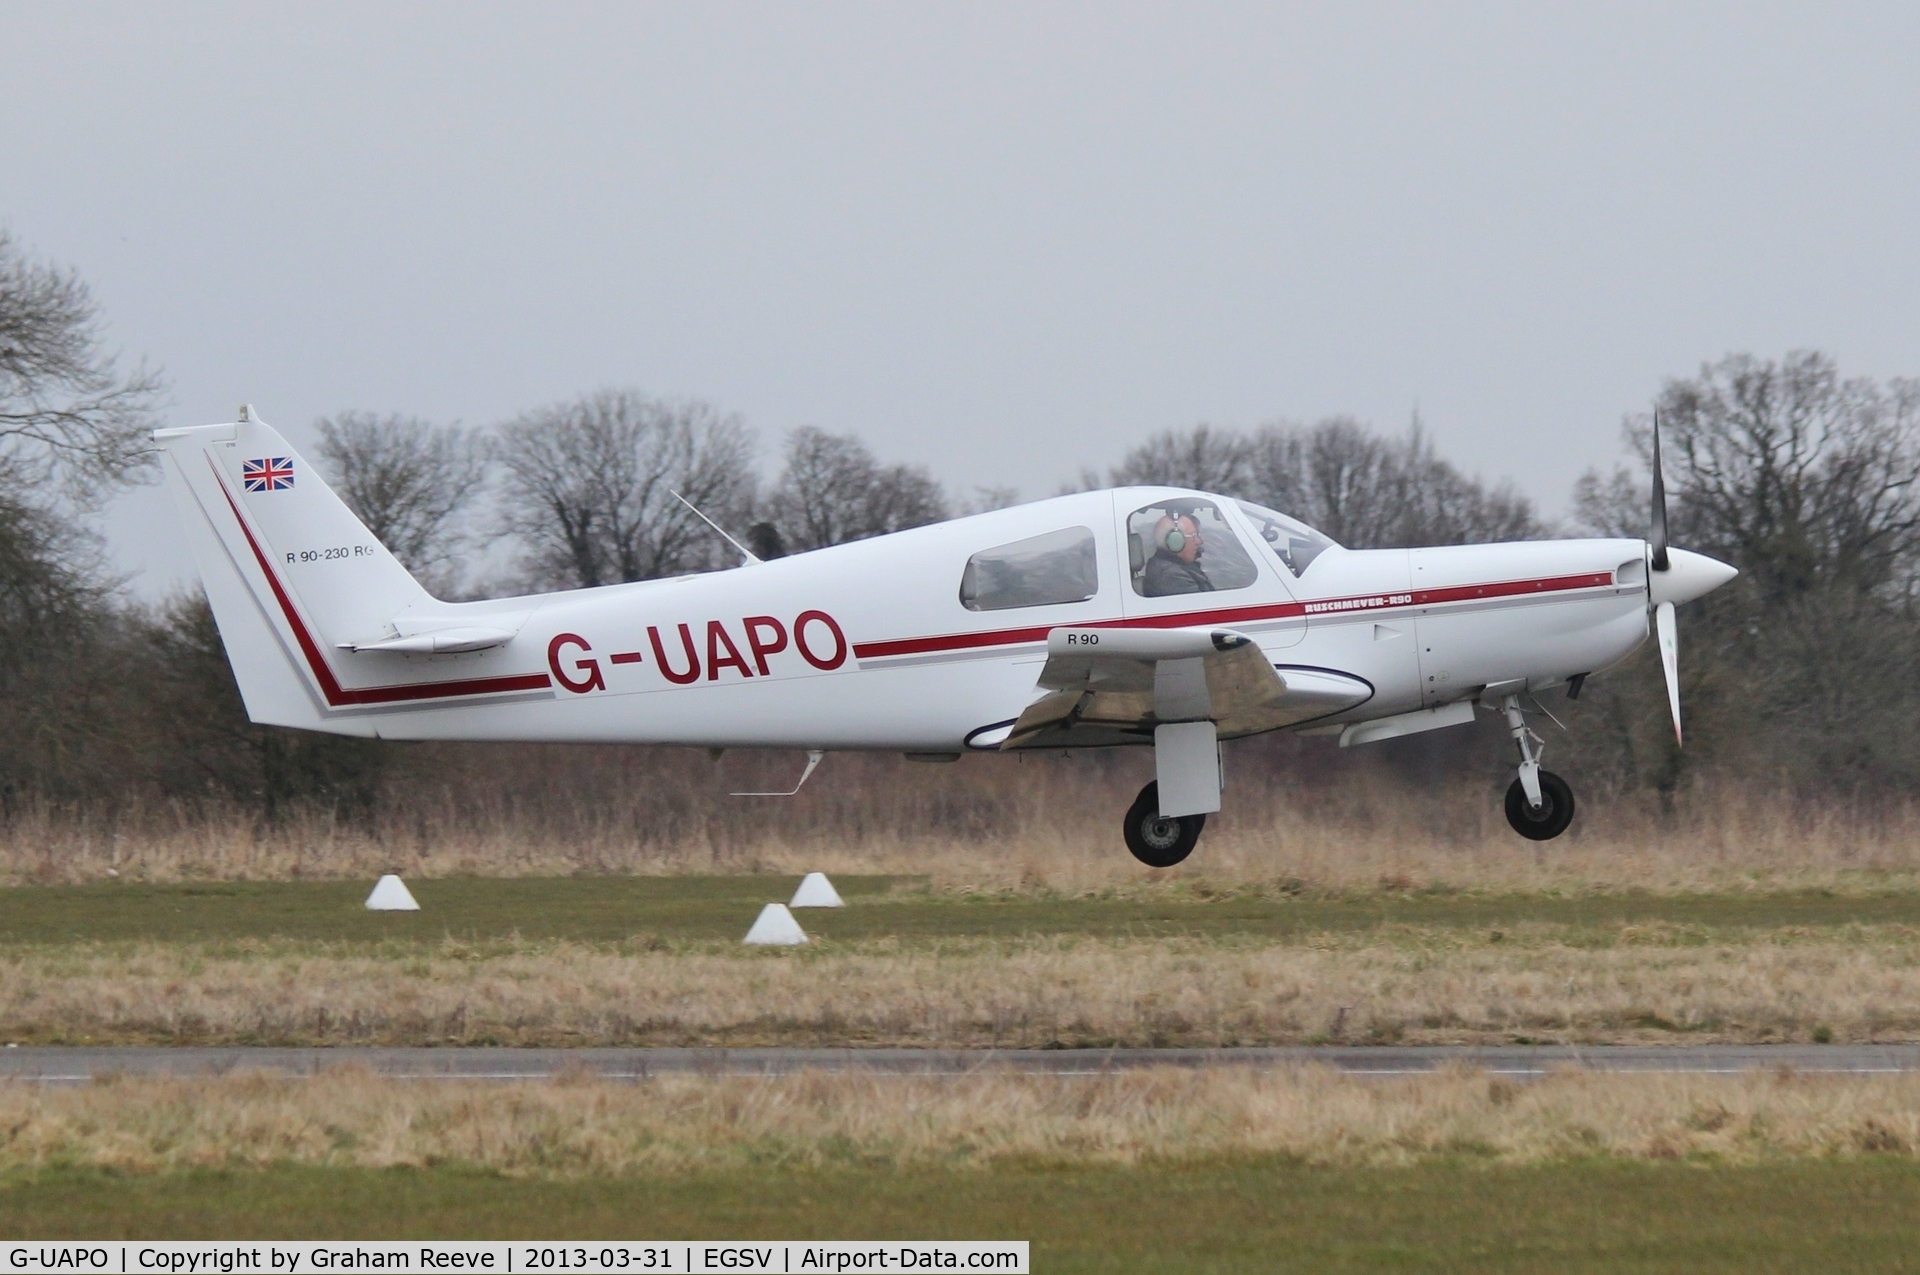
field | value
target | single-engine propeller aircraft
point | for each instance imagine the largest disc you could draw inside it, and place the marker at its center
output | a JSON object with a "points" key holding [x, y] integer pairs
{"points": [[1139, 615]]}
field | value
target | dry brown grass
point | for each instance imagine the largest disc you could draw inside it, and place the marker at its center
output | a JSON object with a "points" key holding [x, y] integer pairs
{"points": [[679, 1123], [996, 824], [1411, 986]]}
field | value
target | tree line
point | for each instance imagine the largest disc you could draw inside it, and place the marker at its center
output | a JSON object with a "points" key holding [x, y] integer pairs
{"points": [[1798, 674], [602, 489]]}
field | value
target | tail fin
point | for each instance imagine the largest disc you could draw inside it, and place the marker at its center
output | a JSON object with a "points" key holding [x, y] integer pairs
{"points": [[295, 579]]}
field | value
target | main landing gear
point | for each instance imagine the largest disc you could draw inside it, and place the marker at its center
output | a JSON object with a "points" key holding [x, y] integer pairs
{"points": [[1157, 840], [1539, 802]]}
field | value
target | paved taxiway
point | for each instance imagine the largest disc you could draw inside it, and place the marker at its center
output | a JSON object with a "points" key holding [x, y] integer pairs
{"points": [[73, 1065]]}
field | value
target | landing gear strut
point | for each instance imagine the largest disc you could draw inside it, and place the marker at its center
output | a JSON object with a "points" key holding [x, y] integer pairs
{"points": [[1156, 840], [1539, 802]]}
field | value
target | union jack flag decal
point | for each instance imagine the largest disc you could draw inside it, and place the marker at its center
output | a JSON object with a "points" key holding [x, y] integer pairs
{"points": [[274, 473]]}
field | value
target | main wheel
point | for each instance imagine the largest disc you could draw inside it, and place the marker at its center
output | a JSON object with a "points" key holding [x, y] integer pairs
{"points": [[1156, 840], [1550, 818]]}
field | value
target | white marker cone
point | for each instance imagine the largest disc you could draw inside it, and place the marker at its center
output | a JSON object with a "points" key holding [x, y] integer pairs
{"points": [[775, 928], [816, 892], [390, 894]]}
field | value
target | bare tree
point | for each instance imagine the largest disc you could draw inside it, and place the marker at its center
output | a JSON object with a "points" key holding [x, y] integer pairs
{"points": [[55, 613], [590, 486], [1363, 490], [410, 481], [1203, 458], [833, 490], [1615, 505], [71, 425], [1336, 476], [1442, 506], [52, 575], [68, 415], [1800, 478], [987, 499], [1802, 670]]}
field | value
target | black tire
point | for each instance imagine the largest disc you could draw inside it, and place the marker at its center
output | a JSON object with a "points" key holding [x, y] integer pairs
{"points": [[1158, 842], [1553, 815]]}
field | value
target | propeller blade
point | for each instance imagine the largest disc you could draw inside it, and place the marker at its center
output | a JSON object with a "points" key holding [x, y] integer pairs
{"points": [[1669, 639], [1657, 537]]}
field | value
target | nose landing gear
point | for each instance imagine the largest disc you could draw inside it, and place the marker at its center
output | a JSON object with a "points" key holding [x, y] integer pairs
{"points": [[1157, 840], [1539, 802]]}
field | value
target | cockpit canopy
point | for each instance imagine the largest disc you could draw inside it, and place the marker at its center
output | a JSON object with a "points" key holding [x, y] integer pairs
{"points": [[1177, 544], [1184, 544]]}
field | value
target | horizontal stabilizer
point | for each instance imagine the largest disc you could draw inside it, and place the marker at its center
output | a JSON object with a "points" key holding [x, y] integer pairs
{"points": [[437, 641]]}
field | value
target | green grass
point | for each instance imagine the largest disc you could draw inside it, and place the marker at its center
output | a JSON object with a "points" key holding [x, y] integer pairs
{"points": [[1835, 1215], [610, 909]]}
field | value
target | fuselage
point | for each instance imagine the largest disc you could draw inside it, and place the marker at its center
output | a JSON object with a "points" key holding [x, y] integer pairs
{"points": [[870, 645]]}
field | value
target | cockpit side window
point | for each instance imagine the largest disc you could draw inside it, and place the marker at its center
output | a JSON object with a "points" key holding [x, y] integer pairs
{"points": [[1058, 567], [1183, 545], [1292, 541]]}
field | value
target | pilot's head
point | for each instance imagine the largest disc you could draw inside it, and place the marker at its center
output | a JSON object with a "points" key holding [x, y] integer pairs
{"points": [[1178, 535]]}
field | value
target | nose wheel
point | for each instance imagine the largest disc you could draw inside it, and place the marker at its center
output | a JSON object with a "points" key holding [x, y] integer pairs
{"points": [[1539, 802], [1157, 840], [1548, 819]]}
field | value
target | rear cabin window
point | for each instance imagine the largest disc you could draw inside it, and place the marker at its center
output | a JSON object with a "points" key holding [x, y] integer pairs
{"points": [[1041, 571], [1183, 545]]}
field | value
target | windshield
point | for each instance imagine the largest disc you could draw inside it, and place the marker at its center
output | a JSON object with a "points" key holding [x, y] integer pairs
{"points": [[1292, 541]]}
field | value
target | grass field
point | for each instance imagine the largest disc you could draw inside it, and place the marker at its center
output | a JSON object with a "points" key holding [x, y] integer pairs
{"points": [[717, 910], [1147, 1171], [1212, 1217], [1301, 811], [656, 960], [1160, 1171], [580, 1126]]}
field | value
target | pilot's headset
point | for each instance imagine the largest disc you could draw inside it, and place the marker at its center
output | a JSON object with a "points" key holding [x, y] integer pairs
{"points": [[1172, 539]]}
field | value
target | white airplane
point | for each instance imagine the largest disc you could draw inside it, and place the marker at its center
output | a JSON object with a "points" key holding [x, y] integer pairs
{"points": [[1140, 615]]}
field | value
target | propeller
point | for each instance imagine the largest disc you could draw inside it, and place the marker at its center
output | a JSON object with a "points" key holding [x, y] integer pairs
{"points": [[1667, 633], [1666, 628], [1674, 576], [1657, 537]]}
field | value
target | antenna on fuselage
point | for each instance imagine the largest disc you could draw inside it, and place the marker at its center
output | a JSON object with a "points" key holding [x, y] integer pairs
{"points": [[748, 554]]}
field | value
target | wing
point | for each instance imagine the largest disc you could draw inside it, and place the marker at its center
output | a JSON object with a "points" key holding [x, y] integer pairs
{"points": [[1113, 686]]}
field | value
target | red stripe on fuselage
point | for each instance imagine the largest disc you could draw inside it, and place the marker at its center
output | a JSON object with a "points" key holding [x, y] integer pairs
{"points": [[338, 696], [1385, 601]]}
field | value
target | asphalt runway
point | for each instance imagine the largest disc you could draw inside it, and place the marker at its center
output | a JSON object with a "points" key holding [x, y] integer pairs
{"points": [[76, 1065]]}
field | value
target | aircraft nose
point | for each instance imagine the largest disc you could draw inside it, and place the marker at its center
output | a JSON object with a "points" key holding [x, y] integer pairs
{"points": [[1688, 576]]}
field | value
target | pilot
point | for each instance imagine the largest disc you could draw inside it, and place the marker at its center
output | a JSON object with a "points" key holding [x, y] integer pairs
{"points": [[1175, 564]]}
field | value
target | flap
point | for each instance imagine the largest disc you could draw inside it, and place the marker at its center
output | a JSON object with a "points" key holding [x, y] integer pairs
{"points": [[1113, 685]]}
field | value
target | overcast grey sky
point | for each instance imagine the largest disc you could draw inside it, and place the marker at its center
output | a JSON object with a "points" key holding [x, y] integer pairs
{"points": [[1004, 241]]}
